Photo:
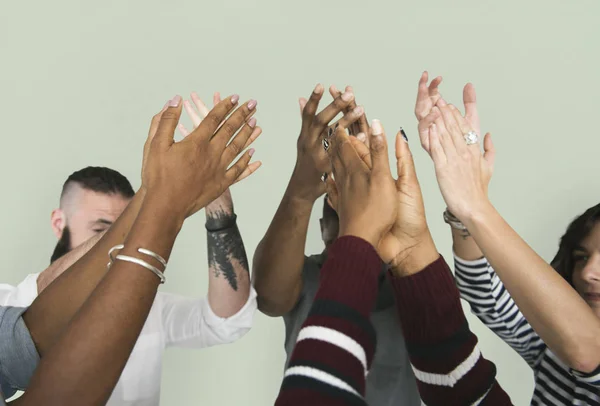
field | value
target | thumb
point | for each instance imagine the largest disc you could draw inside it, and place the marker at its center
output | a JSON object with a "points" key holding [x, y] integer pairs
{"points": [[332, 192], [379, 150], [168, 122], [404, 159]]}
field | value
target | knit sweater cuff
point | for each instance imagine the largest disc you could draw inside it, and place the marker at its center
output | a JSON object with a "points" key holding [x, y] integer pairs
{"points": [[350, 274], [429, 304]]}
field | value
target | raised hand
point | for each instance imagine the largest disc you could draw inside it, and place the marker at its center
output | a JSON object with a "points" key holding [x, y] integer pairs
{"points": [[359, 126], [365, 194], [193, 172], [202, 111], [428, 96], [312, 160], [462, 171], [410, 230]]}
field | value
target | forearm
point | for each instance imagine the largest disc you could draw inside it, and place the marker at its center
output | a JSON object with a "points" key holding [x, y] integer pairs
{"points": [[342, 307], [229, 278], [439, 340], [279, 258], [86, 362], [553, 308], [50, 313], [464, 245], [66, 261]]}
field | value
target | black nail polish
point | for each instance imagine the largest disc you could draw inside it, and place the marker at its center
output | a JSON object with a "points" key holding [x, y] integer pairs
{"points": [[329, 132], [403, 134]]}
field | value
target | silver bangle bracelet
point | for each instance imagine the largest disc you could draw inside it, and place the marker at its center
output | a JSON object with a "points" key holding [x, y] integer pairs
{"points": [[146, 265], [138, 261]]}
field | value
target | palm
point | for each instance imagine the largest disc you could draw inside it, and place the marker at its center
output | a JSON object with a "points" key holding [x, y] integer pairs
{"points": [[410, 223]]}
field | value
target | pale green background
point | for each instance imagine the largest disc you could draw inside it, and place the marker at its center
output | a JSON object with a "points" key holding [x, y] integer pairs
{"points": [[81, 79]]}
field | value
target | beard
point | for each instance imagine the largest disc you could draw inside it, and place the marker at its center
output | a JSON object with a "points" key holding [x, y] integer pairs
{"points": [[62, 246]]}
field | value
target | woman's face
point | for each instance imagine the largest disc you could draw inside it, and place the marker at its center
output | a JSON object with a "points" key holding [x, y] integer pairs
{"points": [[586, 269]]}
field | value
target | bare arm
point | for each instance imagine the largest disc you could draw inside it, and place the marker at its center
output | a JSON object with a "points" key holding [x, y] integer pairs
{"points": [[103, 333], [54, 308], [279, 257], [465, 246], [66, 261], [553, 308], [229, 278]]}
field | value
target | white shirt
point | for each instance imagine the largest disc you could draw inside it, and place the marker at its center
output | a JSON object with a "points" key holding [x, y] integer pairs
{"points": [[174, 321]]}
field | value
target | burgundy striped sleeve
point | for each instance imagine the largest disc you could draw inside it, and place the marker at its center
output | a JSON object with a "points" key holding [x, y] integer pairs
{"points": [[448, 365], [336, 344]]}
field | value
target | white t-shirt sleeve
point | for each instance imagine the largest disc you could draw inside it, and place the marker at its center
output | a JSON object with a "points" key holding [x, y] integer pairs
{"points": [[191, 323], [21, 295]]}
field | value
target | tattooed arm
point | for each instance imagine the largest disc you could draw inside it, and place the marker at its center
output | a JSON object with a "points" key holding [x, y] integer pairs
{"points": [[229, 279]]}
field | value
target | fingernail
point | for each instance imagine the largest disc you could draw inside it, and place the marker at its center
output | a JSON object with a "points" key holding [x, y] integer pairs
{"points": [[318, 89], [251, 152], [362, 137], [403, 134], [359, 110], [377, 128], [252, 122], [174, 102], [251, 104], [347, 96], [235, 98]]}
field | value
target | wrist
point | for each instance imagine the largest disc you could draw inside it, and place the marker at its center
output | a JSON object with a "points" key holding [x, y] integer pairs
{"points": [[478, 215], [371, 238], [416, 258], [159, 207], [301, 190], [299, 199]]}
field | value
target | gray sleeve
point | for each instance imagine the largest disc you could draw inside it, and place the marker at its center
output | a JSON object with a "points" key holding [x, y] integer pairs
{"points": [[18, 355]]}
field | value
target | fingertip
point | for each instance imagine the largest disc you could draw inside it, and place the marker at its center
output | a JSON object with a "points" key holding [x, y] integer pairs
{"points": [[362, 137], [175, 101], [251, 152], [318, 89], [377, 128]]}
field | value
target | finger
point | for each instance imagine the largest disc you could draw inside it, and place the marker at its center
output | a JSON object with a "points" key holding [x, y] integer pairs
{"points": [[433, 90], [351, 117], [405, 164], [470, 102], [438, 154], [422, 96], [202, 109], [460, 120], [453, 128], [250, 169], [361, 148], [489, 151], [324, 117], [216, 98], [332, 193], [255, 134], [236, 146], [444, 137], [238, 168], [154, 123], [213, 120], [338, 153], [379, 150], [183, 131], [302, 102], [238, 119], [196, 120], [425, 124], [310, 107], [168, 123]]}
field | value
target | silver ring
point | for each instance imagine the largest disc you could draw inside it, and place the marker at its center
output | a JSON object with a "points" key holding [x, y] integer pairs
{"points": [[325, 144], [471, 138]]}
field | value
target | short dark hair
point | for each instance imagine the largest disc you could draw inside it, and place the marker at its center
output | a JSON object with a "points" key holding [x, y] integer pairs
{"points": [[329, 214], [101, 180], [577, 231]]}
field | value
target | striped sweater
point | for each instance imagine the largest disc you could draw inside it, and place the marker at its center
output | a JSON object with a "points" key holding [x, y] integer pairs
{"points": [[555, 382], [336, 345]]}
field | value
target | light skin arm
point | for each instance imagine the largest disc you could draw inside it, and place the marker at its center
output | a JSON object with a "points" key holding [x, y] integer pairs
{"points": [[553, 308], [229, 278], [279, 258]]}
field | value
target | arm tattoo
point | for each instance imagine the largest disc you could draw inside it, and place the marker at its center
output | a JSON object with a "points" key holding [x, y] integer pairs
{"points": [[224, 248]]}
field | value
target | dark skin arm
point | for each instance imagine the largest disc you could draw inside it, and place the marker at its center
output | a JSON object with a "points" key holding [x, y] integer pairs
{"points": [[279, 258]]}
